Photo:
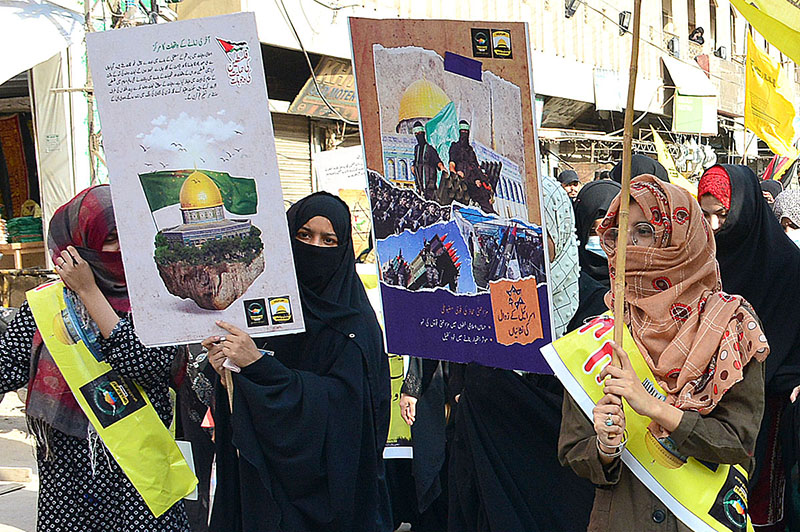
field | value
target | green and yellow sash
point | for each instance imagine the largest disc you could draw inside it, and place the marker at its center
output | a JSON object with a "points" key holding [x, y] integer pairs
{"points": [[704, 496], [117, 407]]}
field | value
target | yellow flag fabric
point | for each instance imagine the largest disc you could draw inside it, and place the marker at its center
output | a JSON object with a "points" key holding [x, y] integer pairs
{"points": [[668, 163], [768, 108], [777, 20], [704, 496], [118, 408]]}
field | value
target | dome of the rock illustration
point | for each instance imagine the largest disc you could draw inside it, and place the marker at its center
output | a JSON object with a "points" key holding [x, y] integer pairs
{"points": [[422, 99], [199, 192]]}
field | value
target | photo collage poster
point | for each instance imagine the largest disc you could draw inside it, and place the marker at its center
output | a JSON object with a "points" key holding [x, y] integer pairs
{"points": [[450, 149]]}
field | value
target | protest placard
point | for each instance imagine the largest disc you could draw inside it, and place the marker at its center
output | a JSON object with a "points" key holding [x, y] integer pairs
{"points": [[194, 177], [451, 154]]}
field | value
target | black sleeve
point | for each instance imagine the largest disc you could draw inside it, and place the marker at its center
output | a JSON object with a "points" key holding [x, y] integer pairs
{"points": [[15, 350]]}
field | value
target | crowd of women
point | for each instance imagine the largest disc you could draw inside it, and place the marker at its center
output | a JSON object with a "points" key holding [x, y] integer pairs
{"points": [[710, 284]]}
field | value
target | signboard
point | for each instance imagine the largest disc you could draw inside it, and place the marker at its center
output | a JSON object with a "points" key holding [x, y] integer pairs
{"points": [[194, 178], [449, 140], [336, 84]]}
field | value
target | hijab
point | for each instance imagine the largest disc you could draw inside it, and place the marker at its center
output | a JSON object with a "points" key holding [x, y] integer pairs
{"points": [[695, 338], [772, 186], [592, 203], [760, 262], [84, 222], [787, 205], [560, 224], [640, 165]]}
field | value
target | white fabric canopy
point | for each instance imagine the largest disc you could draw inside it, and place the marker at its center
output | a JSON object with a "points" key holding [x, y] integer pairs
{"points": [[689, 79], [32, 31]]}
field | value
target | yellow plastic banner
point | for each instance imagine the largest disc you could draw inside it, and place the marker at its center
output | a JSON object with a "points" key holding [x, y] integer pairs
{"points": [[668, 163], [117, 407], [704, 496], [777, 20], [768, 108]]}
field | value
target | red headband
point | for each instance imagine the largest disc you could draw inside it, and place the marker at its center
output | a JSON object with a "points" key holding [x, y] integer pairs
{"points": [[716, 182]]}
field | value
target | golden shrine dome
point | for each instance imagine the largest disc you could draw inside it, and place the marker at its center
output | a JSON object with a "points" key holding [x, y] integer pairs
{"points": [[199, 192], [422, 99]]}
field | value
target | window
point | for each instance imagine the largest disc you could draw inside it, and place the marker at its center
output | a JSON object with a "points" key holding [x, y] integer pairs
{"points": [[390, 170], [734, 47], [666, 13], [403, 173], [692, 16]]}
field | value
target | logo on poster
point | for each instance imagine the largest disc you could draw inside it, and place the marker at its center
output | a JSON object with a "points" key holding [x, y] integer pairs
{"points": [[501, 44], [280, 309], [238, 53], [480, 43], [256, 312]]}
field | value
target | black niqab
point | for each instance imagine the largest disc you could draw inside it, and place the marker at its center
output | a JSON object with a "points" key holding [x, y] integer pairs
{"points": [[310, 423], [640, 165], [592, 203], [759, 262]]}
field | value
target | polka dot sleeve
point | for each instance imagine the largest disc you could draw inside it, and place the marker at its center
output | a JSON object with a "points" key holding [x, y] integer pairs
{"points": [[15, 350], [149, 366]]}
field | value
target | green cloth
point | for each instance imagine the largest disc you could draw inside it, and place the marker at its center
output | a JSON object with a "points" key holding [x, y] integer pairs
{"points": [[163, 189], [442, 131], [24, 229]]}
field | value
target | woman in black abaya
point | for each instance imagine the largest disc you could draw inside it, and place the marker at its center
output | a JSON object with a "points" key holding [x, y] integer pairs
{"points": [[309, 423], [760, 262]]}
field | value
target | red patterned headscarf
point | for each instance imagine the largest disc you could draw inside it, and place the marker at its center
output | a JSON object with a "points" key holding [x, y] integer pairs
{"points": [[695, 337], [85, 222], [716, 182]]}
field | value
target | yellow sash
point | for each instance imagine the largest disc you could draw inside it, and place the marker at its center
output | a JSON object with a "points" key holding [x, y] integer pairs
{"points": [[117, 407], [704, 496]]}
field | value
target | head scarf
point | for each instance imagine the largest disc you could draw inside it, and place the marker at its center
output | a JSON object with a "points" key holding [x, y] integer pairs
{"points": [[640, 165], [695, 338], [568, 176], [715, 181], [560, 223], [773, 186], [592, 203], [787, 205], [760, 262], [84, 222]]}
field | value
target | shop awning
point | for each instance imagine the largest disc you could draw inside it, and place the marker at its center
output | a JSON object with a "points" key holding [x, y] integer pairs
{"points": [[689, 80], [32, 31]]}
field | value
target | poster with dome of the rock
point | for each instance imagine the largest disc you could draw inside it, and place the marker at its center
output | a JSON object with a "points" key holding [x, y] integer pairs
{"points": [[190, 150], [451, 151]]}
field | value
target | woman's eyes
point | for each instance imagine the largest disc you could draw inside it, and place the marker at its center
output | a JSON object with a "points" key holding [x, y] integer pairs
{"points": [[303, 235], [331, 241]]}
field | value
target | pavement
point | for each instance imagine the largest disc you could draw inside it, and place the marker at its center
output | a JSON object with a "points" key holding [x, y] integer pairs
{"points": [[17, 508]]}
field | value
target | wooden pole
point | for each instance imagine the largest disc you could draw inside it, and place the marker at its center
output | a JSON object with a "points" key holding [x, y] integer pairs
{"points": [[229, 387], [625, 192]]}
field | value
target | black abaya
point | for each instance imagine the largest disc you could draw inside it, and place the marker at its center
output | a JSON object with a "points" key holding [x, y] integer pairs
{"points": [[592, 203], [310, 422]]}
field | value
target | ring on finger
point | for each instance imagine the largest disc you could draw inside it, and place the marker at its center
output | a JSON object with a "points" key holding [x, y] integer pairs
{"points": [[609, 421]]}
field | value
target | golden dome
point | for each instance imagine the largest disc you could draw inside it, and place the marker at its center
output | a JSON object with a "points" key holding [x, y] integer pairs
{"points": [[422, 99], [199, 192]]}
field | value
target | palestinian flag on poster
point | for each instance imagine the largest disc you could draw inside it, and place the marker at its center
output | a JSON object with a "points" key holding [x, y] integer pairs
{"points": [[230, 47], [163, 189]]}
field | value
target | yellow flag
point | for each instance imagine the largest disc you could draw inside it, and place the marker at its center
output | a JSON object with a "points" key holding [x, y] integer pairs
{"points": [[668, 163], [768, 109], [777, 20]]}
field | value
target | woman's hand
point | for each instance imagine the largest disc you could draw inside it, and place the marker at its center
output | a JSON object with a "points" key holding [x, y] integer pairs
{"points": [[609, 407], [623, 382], [794, 394], [408, 408], [237, 346], [75, 272], [215, 357]]}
